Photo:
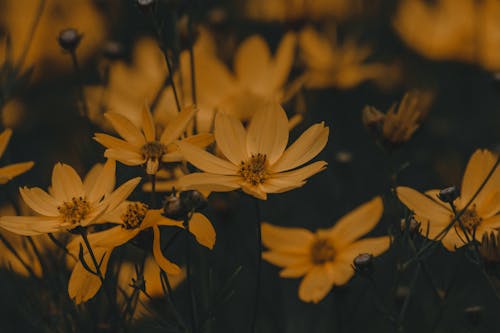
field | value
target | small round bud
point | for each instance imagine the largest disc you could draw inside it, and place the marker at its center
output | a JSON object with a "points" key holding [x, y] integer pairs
{"points": [[69, 39], [473, 313], [363, 263], [145, 5], [193, 200], [174, 208], [112, 50], [449, 194], [412, 225]]}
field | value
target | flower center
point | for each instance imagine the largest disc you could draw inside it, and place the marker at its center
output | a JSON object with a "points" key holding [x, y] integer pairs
{"points": [[254, 169], [74, 211], [134, 215], [152, 152], [470, 219], [322, 251]]}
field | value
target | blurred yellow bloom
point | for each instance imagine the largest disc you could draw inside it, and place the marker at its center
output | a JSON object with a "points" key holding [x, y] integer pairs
{"points": [[257, 161], [132, 218], [463, 30], [71, 203], [479, 218], [18, 17], [10, 171], [143, 147], [331, 64], [324, 258], [398, 124]]}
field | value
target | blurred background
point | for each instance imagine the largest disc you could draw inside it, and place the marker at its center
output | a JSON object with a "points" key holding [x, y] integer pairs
{"points": [[366, 53]]}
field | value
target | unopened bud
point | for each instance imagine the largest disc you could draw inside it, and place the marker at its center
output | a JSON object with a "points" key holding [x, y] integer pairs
{"points": [[145, 5], [193, 200], [474, 313], [489, 247], [173, 207], [412, 225], [69, 39], [449, 194], [112, 50], [363, 263]]}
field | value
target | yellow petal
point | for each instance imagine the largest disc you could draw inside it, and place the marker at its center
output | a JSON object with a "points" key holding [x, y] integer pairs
{"points": [[307, 146], [30, 225], [121, 193], [357, 223], [285, 239], [148, 125], [454, 239], [285, 259], [425, 208], [315, 285], [126, 129], [166, 265], [296, 271], [66, 184], [40, 201], [177, 125], [4, 140], [283, 61], [91, 177], [206, 161], [203, 230], [13, 170], [126, 157], [104, 183], [230, 136], [201, 140], [109, 141], [254, 190], [285, 181], [268, 132], [251, 63], [209, 181]]}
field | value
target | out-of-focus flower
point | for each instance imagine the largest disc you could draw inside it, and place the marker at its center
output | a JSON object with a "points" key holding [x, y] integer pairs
{"points": [[479, 218], [293, 10], [331, 64], [399, 124], [71, 203], [324, 258], [43, 51], [10, 171], [12, 114], [143, 147], [257, 161], [489, 249], [463, 30], [131, 219]]}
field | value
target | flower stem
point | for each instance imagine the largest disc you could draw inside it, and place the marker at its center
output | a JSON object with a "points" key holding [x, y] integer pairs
{"points": [[194, 321], [76, 66], [259, 265]]}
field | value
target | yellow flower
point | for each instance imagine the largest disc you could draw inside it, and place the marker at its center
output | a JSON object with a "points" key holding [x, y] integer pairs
{"points": [[324, 258], [132, 218], [71, 203], [479, 218], [10, 171], [143, 147], [463, 30], [257, 161], [397, 127], [338, 65]]}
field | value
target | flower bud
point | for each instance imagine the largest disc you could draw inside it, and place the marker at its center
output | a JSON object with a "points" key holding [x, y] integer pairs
{"points": [[174, 208], [193, 200], [112, 50], [363, 264], [145, 5], [473, 314], [373, 120], [449, 194], [412, 225], [69, 39]]}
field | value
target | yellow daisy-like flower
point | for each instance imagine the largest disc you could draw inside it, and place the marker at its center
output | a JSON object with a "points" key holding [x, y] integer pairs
{"points": [[257, 161], [71, 203], [143, 147], [132, 218], [324, 258], [481, 215], [10, 171]]}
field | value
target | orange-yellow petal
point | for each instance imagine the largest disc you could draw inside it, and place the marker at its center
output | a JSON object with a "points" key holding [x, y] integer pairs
{"points": [[203, 230], [426, 209], [166, 265], [230, 136], [316, 284], [285, 239], [126, 129]]}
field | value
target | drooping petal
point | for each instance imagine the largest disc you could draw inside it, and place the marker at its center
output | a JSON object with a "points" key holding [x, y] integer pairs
{"points": [[10, 171], [66, 184], [166, 265], [111, 142], [105, 182], [296, 271], [177, 125], [316, 284], [126, 157], [4, 140], [148, 125], [126, 129], [230, 136], [285, 239], [454, 239], [206, 161], [285, 259], [209, 181], [121, 193], [356, 223], [425, 208], [253, 190], [284, 181], [30, 225], [203, 230], [40, 201], [268, 132], [154, 217]]}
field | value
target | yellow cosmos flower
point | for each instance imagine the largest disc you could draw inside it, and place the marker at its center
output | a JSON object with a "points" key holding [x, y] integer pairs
{"points": [[479, 218], [71, 203], [10, 171], [324, 258], [338, 65], [132, 218], [463, 30], [143, 147], [257, 161]]}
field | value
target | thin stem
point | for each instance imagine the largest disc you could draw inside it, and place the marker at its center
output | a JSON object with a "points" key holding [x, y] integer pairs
{"points": [[61, 246], [167, 289], [153, 191], [194, 321], [259, 265], [76, 66], [11, 248], [404, 308]]}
